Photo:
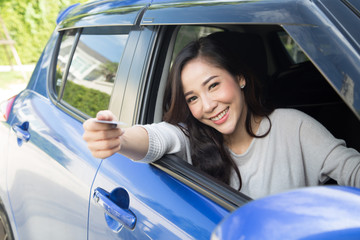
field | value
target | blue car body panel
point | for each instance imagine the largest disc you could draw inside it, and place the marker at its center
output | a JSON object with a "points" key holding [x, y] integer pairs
{"points": [[49, 177], [309, 213], [164, 207], [39, 78]]}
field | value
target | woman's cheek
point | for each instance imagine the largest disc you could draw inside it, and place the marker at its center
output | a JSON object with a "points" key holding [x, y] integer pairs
{"points": [[228, 92], [195, 111]]}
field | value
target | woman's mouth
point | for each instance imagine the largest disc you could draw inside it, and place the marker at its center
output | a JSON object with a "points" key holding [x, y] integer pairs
{"points": [[220, 115]]}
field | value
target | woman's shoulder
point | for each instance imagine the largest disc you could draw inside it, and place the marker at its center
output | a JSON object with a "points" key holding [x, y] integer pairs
{"points": [[288, 119], [294, 119], [289, 114]]}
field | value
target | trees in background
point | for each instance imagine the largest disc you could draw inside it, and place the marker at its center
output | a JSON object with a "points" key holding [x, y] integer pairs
{"points": [[30, 24]]}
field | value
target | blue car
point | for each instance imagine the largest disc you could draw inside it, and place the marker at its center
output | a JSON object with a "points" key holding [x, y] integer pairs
{"points": [[116, 55]]}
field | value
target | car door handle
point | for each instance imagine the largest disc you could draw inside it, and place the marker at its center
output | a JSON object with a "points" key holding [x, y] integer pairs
{"points": [[116, 205], [22, 132]]}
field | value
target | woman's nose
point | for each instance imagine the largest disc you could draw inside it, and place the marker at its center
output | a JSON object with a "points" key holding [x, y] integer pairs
{"points": [[209, 104]]}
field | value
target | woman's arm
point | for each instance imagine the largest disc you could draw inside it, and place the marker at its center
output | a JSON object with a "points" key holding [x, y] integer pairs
{"points": [[328, 156], [104, 140]]}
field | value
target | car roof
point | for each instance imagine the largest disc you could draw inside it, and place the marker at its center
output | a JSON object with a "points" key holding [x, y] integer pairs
{"points": [[180, 12], [103, 13]]}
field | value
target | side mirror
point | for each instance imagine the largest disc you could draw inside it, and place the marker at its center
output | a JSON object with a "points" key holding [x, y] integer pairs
{"points": [[331, 212]]}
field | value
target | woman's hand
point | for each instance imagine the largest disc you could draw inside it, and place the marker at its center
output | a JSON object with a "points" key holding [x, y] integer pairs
{"points": [[103, 139]]}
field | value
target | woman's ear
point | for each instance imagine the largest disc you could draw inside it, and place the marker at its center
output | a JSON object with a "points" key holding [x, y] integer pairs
{"points": [[242, 81]]}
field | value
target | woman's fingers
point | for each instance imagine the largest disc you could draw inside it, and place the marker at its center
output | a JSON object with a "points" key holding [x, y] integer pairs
{"points": [[105, 153], [105, 115], [106, 144], [92, 125], [97, 133], [103, 139]]}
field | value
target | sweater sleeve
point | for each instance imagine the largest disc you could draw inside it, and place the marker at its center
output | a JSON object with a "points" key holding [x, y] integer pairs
{"points": [[327, 156], [165, 138]]}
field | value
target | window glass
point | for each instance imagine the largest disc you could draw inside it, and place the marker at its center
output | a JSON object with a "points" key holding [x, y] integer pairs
{"points": [[92, 71], [67, 43], [294, 51]]}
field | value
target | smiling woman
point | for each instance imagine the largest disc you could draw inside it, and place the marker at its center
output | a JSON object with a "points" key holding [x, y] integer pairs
{"points": [[217, 74]]}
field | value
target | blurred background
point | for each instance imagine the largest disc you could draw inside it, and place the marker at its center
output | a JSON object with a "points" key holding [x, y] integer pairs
{"points": [[25, 27]]}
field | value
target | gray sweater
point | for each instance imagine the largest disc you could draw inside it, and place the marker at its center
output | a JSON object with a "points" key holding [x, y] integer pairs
{"points": [[297, 152]]}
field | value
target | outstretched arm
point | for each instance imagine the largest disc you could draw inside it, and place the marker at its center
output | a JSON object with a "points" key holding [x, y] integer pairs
{"points": [[104, 140]]}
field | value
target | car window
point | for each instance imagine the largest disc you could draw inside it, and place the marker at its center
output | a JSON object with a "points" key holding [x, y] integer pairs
{"points": [[284, 88], [85, 75]]}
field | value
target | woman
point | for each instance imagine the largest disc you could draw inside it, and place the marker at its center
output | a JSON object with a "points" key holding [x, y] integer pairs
{"points": [[226, 130]]}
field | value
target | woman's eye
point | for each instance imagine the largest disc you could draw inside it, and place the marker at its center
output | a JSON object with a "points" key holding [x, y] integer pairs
{"points": [[213, 85], [191, 99]]}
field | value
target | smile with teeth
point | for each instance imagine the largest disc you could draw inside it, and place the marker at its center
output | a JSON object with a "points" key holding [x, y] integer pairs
{"points": [[220, 115]]}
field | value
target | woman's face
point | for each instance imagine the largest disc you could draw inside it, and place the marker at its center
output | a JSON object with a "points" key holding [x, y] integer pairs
{"points": [[213, 95]]}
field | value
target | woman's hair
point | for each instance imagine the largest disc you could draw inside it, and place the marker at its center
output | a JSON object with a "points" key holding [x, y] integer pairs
{"points": [[222, 50]]}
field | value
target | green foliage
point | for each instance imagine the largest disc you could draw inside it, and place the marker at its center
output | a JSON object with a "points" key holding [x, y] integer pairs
{"points": [[87, 100], [30, 24], [9, 78]]}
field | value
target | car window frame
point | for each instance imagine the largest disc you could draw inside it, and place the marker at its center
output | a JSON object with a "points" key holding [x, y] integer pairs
{"points": [[56, 98], [220, 193]]}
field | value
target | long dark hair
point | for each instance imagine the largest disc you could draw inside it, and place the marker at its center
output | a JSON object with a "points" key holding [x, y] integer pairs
{"points": [[208, 151]]}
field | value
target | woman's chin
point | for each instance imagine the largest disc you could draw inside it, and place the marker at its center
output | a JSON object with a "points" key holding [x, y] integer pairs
{"points": [[225, 130]]}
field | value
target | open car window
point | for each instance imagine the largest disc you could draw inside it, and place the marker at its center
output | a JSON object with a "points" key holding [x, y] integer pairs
{"points": [[297, 84]]}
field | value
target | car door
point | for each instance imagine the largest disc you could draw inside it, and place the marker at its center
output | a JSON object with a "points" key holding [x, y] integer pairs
{"points": [[49, 175]]}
